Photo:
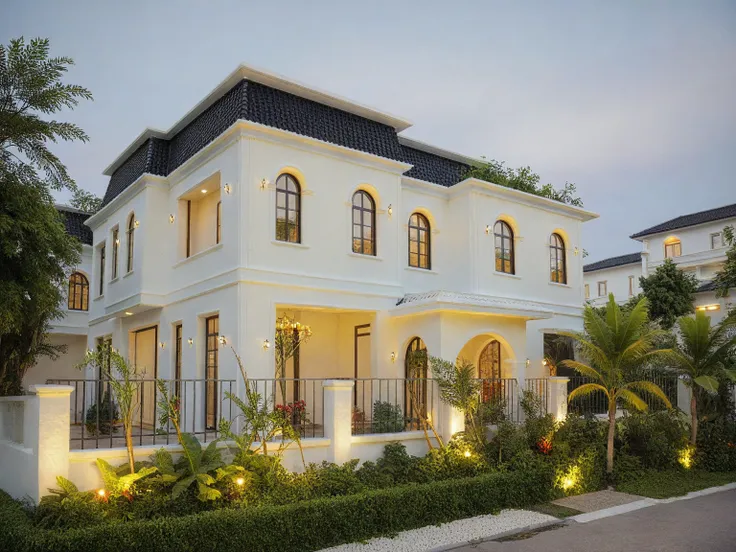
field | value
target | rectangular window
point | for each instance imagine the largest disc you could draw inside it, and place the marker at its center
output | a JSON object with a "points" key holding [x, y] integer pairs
{"points": [[189, 228], [115, 246], [219, 222], [631, 286], [716, 241], [602, 289], [673, 249], [212, 335], [102, 270], [177, 360], [587, 291]]}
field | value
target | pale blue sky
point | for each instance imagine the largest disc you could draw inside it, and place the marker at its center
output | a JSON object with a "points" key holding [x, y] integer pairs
{"points": [[634, 101]]}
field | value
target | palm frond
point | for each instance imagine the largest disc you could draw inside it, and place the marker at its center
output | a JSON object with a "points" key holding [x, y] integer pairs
{"points": [[582, 369], [650, 387], [631, 399], [585, 390]]}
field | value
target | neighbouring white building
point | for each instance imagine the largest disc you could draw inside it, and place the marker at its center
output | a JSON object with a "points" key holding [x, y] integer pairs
{"points": [[272, 199], [694, 242]]}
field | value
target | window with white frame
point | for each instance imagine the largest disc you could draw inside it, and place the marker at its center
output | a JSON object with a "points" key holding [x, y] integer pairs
{"points": [[672, 248], [716, 240], [631, 286], [587, 291], [602, 289]]}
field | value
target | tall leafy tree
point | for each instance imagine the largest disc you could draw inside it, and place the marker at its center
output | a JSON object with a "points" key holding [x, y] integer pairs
{"points": [[702, 357], [525, 180], [86, 201], [670, 293], [615, 345], [35, 256], [725, 279], [31, 89]]}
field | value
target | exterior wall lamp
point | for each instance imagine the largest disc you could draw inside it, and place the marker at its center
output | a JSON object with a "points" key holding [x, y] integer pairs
{"points": [[488, 228], [162, 344], [264, 183], [227, 188], [190, 341], [266, 344], [390, 210], [137, 223], [172, 218], [393, 356], [222, 340]]}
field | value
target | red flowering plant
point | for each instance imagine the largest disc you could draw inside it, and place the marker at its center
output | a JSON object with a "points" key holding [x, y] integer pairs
{"points": [[295, 411], [544, 445]]}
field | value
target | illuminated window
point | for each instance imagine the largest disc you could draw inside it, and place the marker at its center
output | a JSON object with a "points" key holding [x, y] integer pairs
{"points": [[364, 223], [419, 244], [602, 289], [504, 244], [672, 248], [78, 298], [415, 372], [219, 222], [115, 246], [587, 291], [557, 265], [211, 360], [102, 269], [177, 359], [131, 242], [288, 209]]}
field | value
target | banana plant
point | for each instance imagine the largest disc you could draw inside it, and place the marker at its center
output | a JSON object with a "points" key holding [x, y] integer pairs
{"points": [[118, 481]]}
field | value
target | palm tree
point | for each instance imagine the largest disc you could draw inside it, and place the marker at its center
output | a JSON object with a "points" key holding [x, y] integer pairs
{"points": [[615, 344], [701, 356]]}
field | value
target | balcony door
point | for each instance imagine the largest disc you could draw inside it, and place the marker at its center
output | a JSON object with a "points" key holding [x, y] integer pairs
{"points": [[145, 362]]}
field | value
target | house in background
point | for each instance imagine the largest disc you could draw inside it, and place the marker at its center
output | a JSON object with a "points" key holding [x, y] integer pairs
{"points": [[273, 203], [72, 327], [694, 242]]}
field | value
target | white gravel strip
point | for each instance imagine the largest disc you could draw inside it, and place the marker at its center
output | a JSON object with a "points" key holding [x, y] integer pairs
{"points": [[456, 532]]}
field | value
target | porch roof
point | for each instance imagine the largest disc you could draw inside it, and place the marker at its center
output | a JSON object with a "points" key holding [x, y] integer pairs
{"points": [[413, 303]]}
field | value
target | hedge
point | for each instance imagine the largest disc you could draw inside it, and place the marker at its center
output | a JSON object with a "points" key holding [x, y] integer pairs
{"points": [[311, 525]]}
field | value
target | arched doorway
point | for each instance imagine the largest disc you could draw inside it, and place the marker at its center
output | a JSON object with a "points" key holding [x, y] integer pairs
{"points": [[489, 371], [415, 372]]}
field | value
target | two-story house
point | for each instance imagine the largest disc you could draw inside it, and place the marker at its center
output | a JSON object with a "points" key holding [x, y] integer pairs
{"points": [[72, 327], [694, 242], [271, 199]]}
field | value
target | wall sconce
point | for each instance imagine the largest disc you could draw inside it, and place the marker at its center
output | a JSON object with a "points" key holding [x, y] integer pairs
{"points": [[576, 251], [528, 362], [162, 344], [117, 241], [266, 344], [390, 210], [137, 223], [264, 183], [227, 188], [393, 356], [172, 218], [190, 341], [488, 228], [222, 340], [544, 362]]}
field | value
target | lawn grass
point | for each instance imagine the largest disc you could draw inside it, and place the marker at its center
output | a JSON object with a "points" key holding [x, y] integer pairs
{"points": [[674, 482]]}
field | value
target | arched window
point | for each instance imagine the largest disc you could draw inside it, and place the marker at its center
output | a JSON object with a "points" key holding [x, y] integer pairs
{"points": [[78, 298], [288, 209], [415, 372], [557, 268], [419, 244], [504, 243], [131, 242], [489, 371], [364, 223]]}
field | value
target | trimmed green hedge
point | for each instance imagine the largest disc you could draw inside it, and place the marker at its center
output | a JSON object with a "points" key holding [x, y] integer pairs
{"points": [[304, 526]]}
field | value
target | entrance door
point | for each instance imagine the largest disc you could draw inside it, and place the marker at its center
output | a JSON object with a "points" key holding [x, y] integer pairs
{"points": [[145, 364], [489, 370], [363, 391]]}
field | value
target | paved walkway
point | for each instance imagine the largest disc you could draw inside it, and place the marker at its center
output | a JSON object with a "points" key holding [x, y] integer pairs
{"points": [[706, 523], [592, 502]]}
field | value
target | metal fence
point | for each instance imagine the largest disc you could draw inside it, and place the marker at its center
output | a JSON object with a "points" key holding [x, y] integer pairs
{"points": [[501, 390], [301, 399], [393, 405], [538, 387]]}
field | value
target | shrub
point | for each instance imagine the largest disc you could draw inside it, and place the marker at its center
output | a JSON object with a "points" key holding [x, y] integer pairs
{"points": [[716, 450], [306, 526], [654, 437], [387, 417], [396, 463], [101, 417]]}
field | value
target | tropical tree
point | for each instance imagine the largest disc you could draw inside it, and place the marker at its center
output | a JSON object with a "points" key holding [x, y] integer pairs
{"points": [[31, 87], [670, 293], [702, 357], [616, 345], [85, 201]]}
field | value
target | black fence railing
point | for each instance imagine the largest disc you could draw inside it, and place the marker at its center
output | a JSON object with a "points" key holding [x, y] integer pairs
{"points": [[597, 402], [538, 388], [302, 400], [501, 390], [96, 418], [393, 405]]}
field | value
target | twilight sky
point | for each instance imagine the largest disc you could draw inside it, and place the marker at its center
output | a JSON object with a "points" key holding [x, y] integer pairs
{"points": [[635, 102]]}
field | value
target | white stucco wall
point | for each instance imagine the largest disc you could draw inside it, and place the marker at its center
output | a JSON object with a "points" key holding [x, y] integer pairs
{"points": [[617, 282]]}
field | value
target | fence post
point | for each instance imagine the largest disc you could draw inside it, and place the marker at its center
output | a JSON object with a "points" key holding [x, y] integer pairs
{"points": [[557, 396], [46, 431], [683, 396], [452, 421], [338, 416]]}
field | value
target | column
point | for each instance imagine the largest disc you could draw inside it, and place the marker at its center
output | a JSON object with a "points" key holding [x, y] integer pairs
{"points": [[338, 419], [557, 397]]}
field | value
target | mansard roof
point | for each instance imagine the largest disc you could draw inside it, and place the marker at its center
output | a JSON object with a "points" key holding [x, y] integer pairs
{"points": [[613, 262], [260, 97], [74, 222]]}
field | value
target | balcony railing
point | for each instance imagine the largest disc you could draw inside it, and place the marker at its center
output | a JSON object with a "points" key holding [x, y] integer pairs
{"points": [[393, 405], [501, 390]]}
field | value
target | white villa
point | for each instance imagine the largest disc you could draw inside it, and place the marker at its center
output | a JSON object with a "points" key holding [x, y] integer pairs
{"points": [[694, 242], [271, 199]]}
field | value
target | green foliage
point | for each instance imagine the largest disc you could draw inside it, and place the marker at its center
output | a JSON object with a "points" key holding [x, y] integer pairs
{"points": [[617, 345], [665, 484], [387, 417], [116, 481], [716, 447], [31, 86], [85, 201], [36, 257], [655, 438], [101, 416], [525, 180], [459, 388], [304, 526], [67, 507], [670, 293], [725, 279]]}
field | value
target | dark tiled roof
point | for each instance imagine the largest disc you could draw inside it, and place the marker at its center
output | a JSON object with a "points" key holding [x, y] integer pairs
{"points": [[262, 104], [706, 286], [74, 222], [612, 262], [719, 213]]}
